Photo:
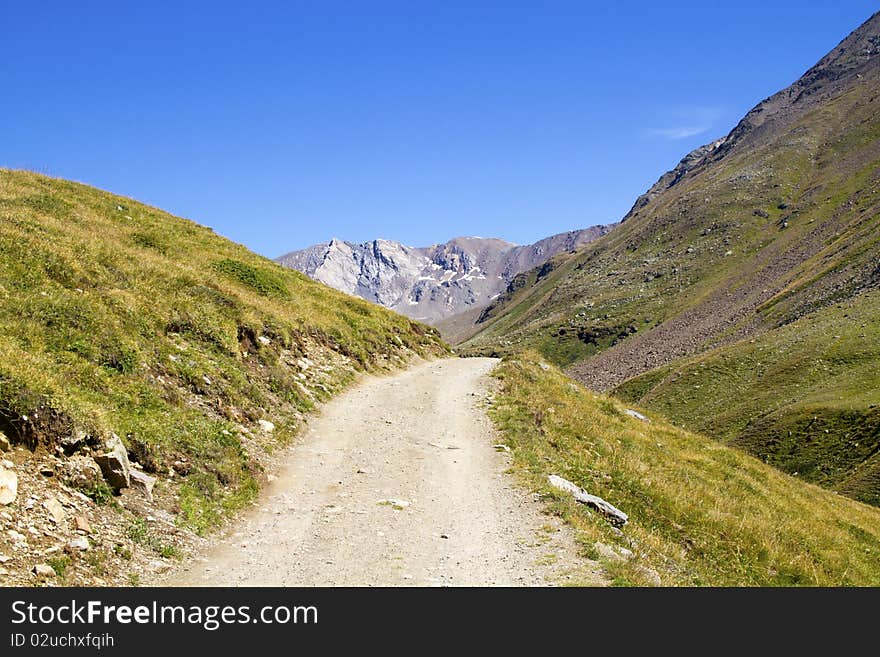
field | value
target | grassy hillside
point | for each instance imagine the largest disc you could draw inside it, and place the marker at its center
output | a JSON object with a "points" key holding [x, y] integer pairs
{"points": [[775, 228], [117, 317], [700, 513], [804, 397], [745, 244]]}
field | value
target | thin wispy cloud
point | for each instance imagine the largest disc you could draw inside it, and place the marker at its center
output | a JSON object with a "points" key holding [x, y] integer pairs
{"points": [[687, 122], [680, 132]]}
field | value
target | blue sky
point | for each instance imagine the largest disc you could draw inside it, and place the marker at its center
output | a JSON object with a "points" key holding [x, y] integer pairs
{"points": [[282, 124]]}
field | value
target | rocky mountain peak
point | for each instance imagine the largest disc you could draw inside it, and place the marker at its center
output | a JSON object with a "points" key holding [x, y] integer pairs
{"points": [[434, 282]]}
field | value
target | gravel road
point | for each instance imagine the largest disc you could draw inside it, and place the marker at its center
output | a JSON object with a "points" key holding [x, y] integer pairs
{"points": [[397, 483]]}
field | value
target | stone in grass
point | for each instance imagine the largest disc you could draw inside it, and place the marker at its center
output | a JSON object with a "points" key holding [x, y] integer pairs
{"points": [[612, 553], [637, 415], [143, 483], [43, 570], [651, 575], [114, 463], [611, 513]]}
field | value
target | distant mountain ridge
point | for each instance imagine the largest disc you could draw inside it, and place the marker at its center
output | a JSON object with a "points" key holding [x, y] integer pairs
{"points": [[434, 282]]}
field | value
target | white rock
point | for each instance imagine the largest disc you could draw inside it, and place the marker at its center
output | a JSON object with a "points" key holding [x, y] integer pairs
{"points": [[144, 483], [266, 426], [114, 463], [57, 514], [43, 570], [73, 441], [637, 415], [651, 575], [79, 543], [612, 514], [606, 551], [263, 340], [612, 553], [15, 537], [8, 486]]}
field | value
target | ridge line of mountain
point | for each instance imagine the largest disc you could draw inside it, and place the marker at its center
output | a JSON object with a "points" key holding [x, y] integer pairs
{"points": [[434, 282], [739, 296]]}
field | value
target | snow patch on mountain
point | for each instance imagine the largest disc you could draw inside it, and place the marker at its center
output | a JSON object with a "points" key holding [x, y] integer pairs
{"points": [[434, 282]]}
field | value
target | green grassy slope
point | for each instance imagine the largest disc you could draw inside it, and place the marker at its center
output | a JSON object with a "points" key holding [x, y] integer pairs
{"points": [[778, 226], [804, 397], [700, 512], [117, 317], [704, 246]]}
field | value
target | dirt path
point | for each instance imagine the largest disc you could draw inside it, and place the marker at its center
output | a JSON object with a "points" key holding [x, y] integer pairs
{"points": [[421, 438]]}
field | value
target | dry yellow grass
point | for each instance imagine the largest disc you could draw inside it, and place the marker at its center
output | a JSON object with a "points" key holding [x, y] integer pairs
{"points": [[700, 513]]}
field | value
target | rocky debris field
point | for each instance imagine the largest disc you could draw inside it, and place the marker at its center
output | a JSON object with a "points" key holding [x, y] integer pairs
{"points": [[53, 534], [82, 511]]}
